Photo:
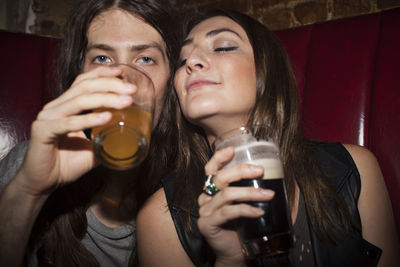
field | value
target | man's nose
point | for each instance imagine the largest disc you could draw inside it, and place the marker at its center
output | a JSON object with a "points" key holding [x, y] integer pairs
{"points": [[129, 72]]}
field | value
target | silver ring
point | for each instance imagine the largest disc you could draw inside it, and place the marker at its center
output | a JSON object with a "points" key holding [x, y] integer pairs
{"points": [[209, 186]]}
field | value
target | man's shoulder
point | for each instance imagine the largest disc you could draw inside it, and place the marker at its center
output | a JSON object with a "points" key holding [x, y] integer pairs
{"points": [[10, 165]]}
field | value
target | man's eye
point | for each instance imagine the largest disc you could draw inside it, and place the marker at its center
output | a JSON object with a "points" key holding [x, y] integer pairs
{"points": [[102, 59], [147, 60], [225, 49]]}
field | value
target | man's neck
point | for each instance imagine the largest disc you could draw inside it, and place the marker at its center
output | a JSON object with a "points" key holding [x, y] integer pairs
{"points": [[114, 206]]}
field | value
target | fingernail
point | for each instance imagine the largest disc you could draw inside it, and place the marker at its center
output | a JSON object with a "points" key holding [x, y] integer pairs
{"points": [[257, 211], [257, 169], [129, 85], [115, 69], [103, 115], [125, 99], [228, 150], [267, 192]]}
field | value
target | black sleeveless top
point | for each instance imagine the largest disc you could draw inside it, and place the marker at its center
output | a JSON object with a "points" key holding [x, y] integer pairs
{"points": [[302, 254], [341, 172]]}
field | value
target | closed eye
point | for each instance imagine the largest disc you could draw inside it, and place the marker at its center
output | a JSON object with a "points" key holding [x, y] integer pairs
{"points": [[182, 63], [226, 49]]}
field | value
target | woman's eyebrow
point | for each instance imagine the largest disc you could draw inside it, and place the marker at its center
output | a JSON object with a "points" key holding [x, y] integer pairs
{"points": [[218, 31], [212, 33]]}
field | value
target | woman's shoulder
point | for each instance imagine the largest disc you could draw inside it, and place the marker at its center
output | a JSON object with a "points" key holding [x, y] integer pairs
{"points": [[152, 220], [366, 163], [333, 151], [374, 202], [342, 150], [338, 160], [336, 163], [360, 154], [155, 206], [154, 223], [157, 203]]}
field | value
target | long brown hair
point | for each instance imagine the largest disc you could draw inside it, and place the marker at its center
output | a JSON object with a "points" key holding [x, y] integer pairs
{"points": [[62, 223], [277, 105]]}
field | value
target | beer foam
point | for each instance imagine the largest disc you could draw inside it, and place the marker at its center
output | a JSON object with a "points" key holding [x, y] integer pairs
{"points": [[261, 153], [272, 168]]}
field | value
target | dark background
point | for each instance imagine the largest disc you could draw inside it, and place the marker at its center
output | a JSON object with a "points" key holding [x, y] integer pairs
{"points": [[47, 17]]}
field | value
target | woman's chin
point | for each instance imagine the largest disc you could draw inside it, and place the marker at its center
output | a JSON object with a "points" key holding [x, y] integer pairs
{"points": [[199, 112]]}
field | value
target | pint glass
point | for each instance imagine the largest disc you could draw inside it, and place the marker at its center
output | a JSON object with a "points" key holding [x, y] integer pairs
{"points": [[124, 142], [270, 234]]}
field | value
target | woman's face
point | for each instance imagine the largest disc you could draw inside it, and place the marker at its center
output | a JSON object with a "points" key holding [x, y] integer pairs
{"points": [[116, 36], [216, 82]]}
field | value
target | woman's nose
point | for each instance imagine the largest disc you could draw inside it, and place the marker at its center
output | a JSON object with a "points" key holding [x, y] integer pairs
{"points": [[196, 61]]}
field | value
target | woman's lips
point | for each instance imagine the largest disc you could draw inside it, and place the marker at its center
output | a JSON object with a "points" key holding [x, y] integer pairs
{"points": [[199, 83]]}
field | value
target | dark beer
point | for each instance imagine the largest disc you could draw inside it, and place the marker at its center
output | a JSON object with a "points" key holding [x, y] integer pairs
{"points": [[269, 234]]}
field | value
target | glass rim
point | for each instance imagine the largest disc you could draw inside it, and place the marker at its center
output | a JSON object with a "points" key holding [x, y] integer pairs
{"points": [[135, 67], [252, 129]]}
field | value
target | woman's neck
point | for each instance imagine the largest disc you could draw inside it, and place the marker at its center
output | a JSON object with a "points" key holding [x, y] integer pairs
{"points": [[222, 125]]}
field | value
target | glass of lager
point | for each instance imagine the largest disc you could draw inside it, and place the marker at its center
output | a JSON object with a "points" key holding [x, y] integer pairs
{"points": [[270, 234], [124, 142]]}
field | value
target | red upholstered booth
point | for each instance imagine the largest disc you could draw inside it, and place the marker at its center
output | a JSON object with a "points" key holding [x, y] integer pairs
{"points": [[348, 74], [26, 77]]}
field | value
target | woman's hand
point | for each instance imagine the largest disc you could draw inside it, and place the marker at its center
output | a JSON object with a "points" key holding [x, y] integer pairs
{"points": [[59, 152], [215, 211]]}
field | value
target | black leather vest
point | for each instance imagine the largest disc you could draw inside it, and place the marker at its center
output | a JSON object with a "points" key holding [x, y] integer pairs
{"points": [[341, 172]]}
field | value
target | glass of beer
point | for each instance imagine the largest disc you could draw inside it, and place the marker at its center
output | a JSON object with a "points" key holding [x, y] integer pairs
{"points": [[271, 234], [124, 142]]}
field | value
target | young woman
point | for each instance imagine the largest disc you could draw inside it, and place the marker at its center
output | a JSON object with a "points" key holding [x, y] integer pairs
{"points": [[58, 209], [234, 72]]}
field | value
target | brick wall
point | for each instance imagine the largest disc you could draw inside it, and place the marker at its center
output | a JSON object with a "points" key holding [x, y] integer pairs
{"points": [[276, 14]]}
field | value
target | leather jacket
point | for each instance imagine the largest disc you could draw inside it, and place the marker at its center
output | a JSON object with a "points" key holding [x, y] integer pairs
{"points": [[340, 172]]}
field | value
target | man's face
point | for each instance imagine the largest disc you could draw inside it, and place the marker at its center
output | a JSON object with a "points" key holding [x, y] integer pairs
{"points": [[116, 36]]}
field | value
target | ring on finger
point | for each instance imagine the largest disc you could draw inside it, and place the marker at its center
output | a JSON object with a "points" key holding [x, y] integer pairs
{"points": [[209, 186]]}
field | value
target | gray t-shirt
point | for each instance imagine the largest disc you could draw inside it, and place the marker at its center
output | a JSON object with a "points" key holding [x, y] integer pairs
{"points": [[110, 246]]}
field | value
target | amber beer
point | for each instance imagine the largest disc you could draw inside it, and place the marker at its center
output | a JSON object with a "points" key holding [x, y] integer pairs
{"points": [[270, 234], [124, 142]]}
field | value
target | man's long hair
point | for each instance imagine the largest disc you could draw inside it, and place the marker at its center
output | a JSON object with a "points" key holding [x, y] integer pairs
{"points": [[62, 223]]}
